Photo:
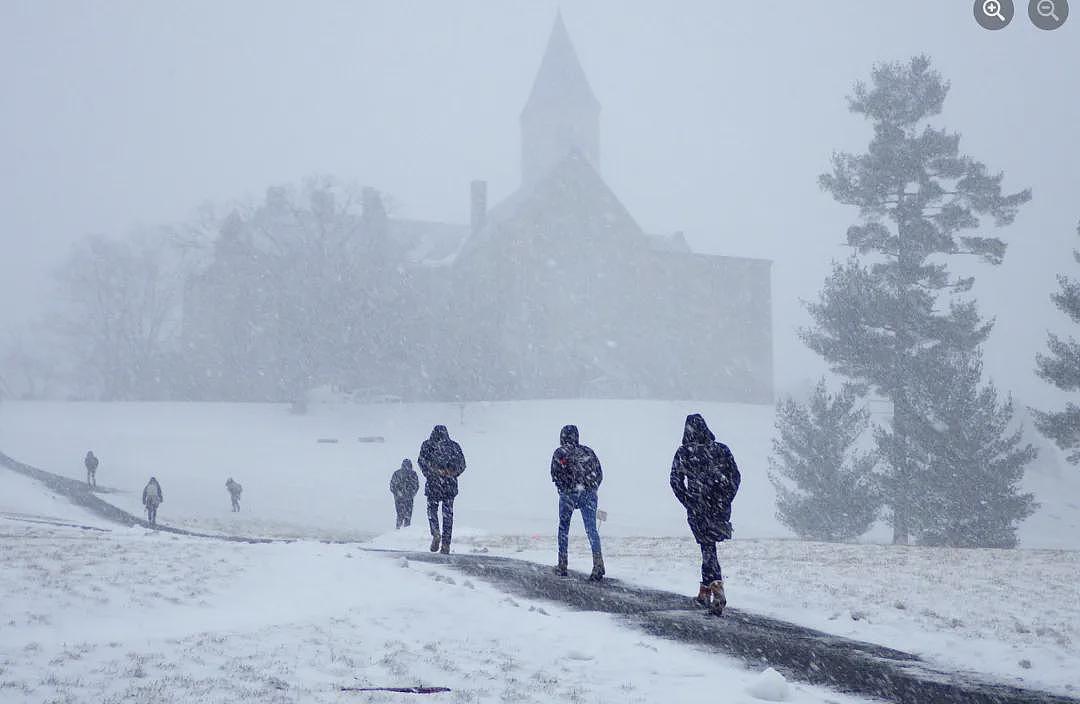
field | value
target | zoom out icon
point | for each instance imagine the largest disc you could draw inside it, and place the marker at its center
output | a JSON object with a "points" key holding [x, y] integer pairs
{"points": [[1047, 14]]}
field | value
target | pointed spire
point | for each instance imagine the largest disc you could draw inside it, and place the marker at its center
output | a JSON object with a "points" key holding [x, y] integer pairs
{"points": [[562, 114], [560, 81]]}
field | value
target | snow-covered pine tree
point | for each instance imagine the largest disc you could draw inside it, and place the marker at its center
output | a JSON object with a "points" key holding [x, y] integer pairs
{"points": [[970, 461], [880, 312], [825, 488], [1062, 369]]}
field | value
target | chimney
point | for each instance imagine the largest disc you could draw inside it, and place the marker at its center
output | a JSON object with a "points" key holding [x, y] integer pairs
{"points": [[478, 205], [371, 204]]}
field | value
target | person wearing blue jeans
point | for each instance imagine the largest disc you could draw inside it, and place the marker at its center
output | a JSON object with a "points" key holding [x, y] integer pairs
{"points": [[577, 475]]}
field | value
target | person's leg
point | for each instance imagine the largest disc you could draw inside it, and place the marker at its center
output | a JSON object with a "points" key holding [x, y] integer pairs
{"points": [[447, 523], [711, 577], [566, 512], [710, 564], [407, 513], [587, 503], [433, 522], [588, 517]]}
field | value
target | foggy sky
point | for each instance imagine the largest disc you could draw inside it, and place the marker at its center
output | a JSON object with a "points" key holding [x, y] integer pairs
{"points": [[716, 119]]}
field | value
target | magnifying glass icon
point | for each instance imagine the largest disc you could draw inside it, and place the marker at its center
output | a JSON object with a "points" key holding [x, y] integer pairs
{"points": [[1045, 8], [992, 8]]}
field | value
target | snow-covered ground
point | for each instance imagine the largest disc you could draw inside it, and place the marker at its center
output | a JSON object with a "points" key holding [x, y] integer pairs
{"points": [[1007, 615], [138, 616], [296, 486], [1011, 615]]}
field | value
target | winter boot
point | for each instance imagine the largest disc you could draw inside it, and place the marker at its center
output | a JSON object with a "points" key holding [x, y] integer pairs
{"points": [[719, 601], [704, 595], [597, 567], [435, 540], [445, 549], [560, 567]]}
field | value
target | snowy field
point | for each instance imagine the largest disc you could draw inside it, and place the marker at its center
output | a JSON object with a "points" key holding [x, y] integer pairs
{"points": [[138, 616], [296, 486], [1010, 615]]}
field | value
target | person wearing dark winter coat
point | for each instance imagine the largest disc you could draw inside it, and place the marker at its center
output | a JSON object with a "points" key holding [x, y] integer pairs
{"points": [[235, 489], [577, 474], [403, 485], [705, 479], [442, 462], [152, 497], [91, 463]]}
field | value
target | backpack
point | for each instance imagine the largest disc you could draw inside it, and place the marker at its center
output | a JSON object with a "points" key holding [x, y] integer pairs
{"points": [[578, 465]]}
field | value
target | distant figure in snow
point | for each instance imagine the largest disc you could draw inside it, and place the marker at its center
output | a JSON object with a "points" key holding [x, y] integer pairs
{"points": [[235, 490], [152, 497], [705, 478], [91, 463], [403, 485], [441, 462], [577, 474]]}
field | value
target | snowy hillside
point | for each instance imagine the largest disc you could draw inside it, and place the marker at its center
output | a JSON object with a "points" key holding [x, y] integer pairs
{"points": [[1012, 615], [294, 485], [137, 616]]}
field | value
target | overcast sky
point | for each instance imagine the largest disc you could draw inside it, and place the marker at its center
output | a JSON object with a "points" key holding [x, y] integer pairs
{"points": [[717, 119]]}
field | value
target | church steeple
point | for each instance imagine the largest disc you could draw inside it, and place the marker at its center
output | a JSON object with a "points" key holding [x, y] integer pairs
{"points": [[562, 114]]}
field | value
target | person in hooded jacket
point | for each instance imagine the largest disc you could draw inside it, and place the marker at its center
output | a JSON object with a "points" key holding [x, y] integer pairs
{"points": [[403, 485], [152, 497], [91, 463], [705, 479], [235, 489], [441, 462], [577, 474]]}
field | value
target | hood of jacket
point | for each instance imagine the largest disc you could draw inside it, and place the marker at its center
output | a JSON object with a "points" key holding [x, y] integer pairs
{"points": [[696, 431], [439, 433], [568, 435], [406, 464]]}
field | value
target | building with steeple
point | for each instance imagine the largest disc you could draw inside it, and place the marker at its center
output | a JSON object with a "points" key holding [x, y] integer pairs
{"points": [[556, 291]]}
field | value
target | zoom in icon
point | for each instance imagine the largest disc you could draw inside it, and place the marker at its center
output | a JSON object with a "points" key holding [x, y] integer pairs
{"points": [[1048, 14], [994, 14]]}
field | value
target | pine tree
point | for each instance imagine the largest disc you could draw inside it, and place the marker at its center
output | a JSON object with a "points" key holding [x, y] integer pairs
{"points": [[892, 304], [834, 496], [1062, 369], [970, 462]]}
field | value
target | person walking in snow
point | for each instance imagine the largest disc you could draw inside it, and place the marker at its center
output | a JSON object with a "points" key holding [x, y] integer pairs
{"points": [[441, 462], [577, 474], [403, 485], [152, 497], [235, 489], [705, 479], [91, 463]]}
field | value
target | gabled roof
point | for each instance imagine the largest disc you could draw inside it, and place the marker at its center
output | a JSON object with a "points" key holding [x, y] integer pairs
{"points": [[561, 81], [573, 189]]}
